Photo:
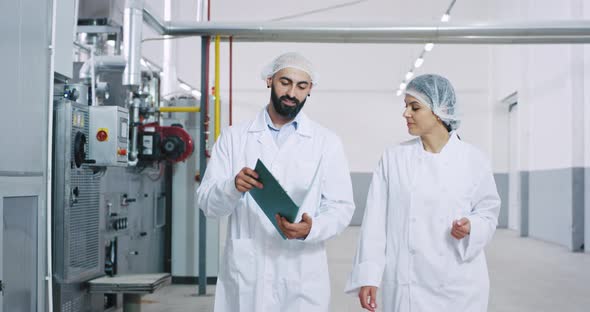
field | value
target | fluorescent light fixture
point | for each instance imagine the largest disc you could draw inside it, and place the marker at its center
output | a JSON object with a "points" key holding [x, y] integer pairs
{"points": [[409, 75], [445, 18], [196, 93], [402, 86], [143, 63], [398, 93], [428, 47], [184, 86], [419, 62]]}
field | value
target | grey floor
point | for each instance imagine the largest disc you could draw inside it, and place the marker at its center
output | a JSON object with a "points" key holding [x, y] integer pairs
{"points": [[525, 274]]}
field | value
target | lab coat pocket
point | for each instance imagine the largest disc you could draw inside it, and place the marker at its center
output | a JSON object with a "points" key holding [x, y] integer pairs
{"points": [[242, 264]]}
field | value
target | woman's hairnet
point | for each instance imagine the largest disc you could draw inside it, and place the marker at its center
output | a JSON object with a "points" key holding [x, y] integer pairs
{"points": [[293, 60], [438, 93]]}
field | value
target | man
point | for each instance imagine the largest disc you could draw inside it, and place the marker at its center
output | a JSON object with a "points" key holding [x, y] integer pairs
{"points": [[261, 271]]}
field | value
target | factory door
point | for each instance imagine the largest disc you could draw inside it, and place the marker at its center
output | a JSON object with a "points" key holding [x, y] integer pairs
{"points": [[19, 259]]}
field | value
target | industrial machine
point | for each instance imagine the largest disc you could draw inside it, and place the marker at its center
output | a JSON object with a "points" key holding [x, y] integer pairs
{"points": [[171, 143], [76, 215], [109, 135]]}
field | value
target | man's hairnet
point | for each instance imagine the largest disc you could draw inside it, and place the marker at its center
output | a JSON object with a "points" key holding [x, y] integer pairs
{"points": [[438, 93], [292, 60]]}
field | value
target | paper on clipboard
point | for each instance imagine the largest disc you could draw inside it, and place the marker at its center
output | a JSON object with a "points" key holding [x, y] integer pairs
{"points": [[273, 199]]}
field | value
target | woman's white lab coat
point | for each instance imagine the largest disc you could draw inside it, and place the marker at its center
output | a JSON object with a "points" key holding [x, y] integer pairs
{"points": [[406, 247], [259, 270]]}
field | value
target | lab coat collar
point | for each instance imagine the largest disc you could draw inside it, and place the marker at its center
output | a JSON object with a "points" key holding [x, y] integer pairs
{"points": [[303, 124], [446, 151]]}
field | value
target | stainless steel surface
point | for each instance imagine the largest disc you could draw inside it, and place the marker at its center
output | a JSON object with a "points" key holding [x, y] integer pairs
{"points": [[76, 200], [114, 121], [133, 132], [64, 32], [132, 26], [508, 33], [25, 84], [102, 63], [19, 252], [132, 286]]}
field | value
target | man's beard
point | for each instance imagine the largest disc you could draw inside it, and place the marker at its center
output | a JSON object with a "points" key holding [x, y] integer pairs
{"points": [[286, 111]]}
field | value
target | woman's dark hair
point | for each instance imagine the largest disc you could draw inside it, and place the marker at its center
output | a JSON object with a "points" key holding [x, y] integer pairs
{"points": [[447, 126]]}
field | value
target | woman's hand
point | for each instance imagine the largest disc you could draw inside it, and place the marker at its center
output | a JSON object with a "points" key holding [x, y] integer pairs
{"points": [[368, 297]]}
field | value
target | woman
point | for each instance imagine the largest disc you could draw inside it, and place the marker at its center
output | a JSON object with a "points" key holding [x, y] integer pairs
{"points": [[431, 209]]}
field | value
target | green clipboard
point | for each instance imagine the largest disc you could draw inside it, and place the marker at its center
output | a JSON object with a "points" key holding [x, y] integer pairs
{"points": [[272, 198]]}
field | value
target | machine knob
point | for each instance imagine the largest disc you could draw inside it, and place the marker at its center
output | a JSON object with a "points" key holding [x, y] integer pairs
{"points": [[173, 147], [102, 135], [122, 152]]}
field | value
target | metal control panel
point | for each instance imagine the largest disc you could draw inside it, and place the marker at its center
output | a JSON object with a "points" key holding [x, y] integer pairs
{"points": [[109, 129]]}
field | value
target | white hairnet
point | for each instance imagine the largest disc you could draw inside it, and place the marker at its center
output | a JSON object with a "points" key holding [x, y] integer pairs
{"points": [[438, 93], [292, 60]]}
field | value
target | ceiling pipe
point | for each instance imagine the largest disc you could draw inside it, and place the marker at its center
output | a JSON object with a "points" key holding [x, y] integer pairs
{"points": [[548, 32]]}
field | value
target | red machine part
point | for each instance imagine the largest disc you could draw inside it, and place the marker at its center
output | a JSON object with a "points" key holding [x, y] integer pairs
{"points": [[175, 143]]}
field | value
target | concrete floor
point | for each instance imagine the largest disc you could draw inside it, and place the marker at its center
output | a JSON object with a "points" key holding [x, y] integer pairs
{"points": [[526, 275]]}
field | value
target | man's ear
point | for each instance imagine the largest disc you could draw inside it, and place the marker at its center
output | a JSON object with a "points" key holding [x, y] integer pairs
{"points": [[268, 82]]}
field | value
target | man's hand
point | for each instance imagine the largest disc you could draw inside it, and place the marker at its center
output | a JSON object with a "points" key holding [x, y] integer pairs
{"points": [[245, 180], [368, 297], [295, 230], [461, 228]]}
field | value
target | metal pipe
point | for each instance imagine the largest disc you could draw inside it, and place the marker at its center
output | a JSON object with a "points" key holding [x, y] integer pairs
{"points": [[132, 25], [49, 166], [82, 47], [540, 32], [102, 62], [203, 162], [133, 150], [231, 44], [153, 22], [179, 109], [93, 76], [217, 92]]}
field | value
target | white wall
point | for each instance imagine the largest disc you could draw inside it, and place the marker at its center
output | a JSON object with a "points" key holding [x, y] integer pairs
{"points": [[550, 81], [188, 49], [547, 79], [356, 95]]}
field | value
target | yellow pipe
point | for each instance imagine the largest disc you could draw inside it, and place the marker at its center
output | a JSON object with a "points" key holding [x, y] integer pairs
{"points": [[217, 87], [179, 109]]}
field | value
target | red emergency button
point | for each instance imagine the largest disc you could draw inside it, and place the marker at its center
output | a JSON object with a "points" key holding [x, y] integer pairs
{"points": [[122, 152], [102, 135]]}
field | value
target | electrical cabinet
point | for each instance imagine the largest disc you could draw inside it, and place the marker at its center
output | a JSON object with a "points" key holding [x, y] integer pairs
{"points": [[109, 129]]}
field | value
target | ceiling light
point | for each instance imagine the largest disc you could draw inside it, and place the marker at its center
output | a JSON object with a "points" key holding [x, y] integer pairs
{"points": [[418, 62], [409, 75], [428, 47], [445, 18]]}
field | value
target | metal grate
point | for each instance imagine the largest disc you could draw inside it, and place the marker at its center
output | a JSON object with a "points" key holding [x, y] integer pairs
{"points": [[82, 217], [75, 305], [83, 224]]}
